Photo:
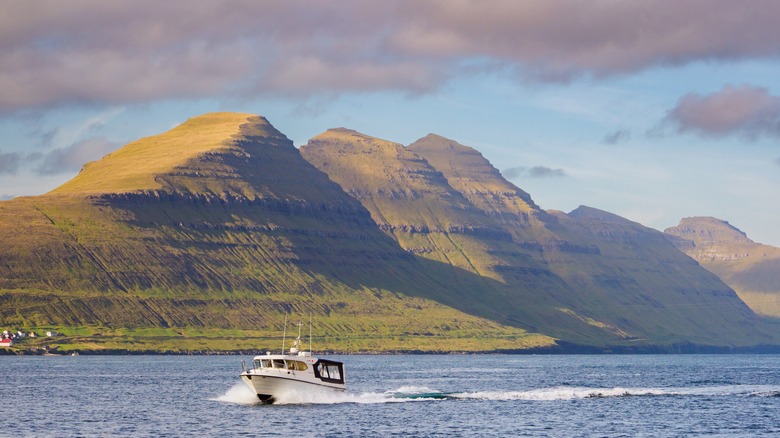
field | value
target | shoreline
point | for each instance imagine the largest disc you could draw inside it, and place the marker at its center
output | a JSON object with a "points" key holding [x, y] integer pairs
{"points": [[569, 349]]}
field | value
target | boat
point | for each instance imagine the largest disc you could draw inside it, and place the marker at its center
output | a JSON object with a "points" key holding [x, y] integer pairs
{"points": [[272, 376]]}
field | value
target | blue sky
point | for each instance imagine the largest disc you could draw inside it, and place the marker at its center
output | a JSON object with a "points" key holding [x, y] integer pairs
{"points": [[652, 110]]}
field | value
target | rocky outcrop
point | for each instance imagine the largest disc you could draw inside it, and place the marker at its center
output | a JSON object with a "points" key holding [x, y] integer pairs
{"points": [[750, 268]]}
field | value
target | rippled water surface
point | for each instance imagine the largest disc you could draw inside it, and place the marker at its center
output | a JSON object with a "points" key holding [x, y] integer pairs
{"points": [[489, 395]]}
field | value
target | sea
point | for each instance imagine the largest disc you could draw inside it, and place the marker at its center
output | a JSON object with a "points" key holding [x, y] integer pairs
{"points": [[397, 395]]}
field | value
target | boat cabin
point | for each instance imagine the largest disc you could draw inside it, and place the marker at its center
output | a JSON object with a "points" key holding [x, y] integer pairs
{"points": [[325, 370]]}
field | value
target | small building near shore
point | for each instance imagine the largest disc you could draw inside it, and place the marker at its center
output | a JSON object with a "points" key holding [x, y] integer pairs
{"points": [[6, 342]]}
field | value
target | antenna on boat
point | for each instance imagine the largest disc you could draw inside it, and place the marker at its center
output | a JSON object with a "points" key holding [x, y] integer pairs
{"points": [[284, 335], [309, 333], [294, 349]]}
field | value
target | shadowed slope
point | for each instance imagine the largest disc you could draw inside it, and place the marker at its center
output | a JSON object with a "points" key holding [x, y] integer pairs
{"points": [[628, 279], [620, 276], [644, 283]]}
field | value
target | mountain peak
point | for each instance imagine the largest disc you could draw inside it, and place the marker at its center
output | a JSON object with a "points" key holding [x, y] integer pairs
{"points": [[350, 135], [216, 156], [139, 166], [585, 212], [437, 143], [751, 269], [472, 174], [704, 231]]}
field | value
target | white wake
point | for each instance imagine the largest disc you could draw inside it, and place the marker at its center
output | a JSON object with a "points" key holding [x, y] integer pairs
{"points": [[241, 394]]}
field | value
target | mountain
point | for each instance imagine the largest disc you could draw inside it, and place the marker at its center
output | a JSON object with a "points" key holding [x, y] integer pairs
{"points": [[623, 278], [641, 279], [206, 236], [750, 268], [587, 277], [414, 204]]}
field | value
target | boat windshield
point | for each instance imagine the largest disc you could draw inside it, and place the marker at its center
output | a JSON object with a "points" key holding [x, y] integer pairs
{"points": [[282, 364], [296, 365], [263, 363]]}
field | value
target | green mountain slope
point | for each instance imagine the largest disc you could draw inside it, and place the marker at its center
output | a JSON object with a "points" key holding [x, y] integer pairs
{"points": [[204, 237], [414, 204], [468, 172], [583, 277], [635, 275], [750, 268], [627, 278], [220, 225]]}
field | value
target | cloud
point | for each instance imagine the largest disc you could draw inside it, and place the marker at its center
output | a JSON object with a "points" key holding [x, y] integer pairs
{"points": [[72, 158], [744, 110], [9, 162], [67, 135], [533, 172], [618, 136], [82, 51]]}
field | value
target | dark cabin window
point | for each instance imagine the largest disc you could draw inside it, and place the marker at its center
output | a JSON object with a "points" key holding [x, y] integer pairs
{"points": [[331, 372]]}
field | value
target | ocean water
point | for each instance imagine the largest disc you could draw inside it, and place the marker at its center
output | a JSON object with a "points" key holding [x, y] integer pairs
{"points": [[421, 395]]}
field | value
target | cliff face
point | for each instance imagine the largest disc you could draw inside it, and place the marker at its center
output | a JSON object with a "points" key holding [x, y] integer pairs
{"points": [[468, 172], [750, 268]]}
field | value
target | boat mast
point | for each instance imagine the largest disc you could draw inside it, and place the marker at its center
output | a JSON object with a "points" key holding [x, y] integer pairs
{"points": [[309, 333], [295, 348]]}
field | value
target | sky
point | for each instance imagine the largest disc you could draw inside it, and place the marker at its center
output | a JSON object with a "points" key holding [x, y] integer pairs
{"points": [[652, 110]]}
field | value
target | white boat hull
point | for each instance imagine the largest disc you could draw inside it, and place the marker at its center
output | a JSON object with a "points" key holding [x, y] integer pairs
{"points": [[270, 388]]}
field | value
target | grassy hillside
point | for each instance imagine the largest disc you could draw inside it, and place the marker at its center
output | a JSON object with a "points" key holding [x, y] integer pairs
{"points": [[750, 268], [138, 165], [582, 277], [622, 277], [415, 205], [647, 286], [228, 235], [468, 172], [204, 237]]}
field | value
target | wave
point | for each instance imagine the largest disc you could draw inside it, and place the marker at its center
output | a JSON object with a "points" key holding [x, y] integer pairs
{"points": [[238, 394], [241, 394]]}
